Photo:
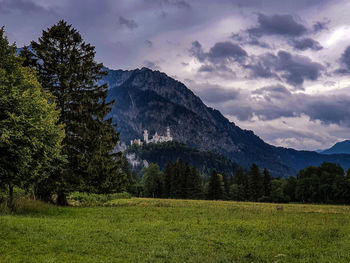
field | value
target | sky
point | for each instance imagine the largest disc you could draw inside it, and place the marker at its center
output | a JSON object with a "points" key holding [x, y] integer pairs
{"points": [[279, 68]]}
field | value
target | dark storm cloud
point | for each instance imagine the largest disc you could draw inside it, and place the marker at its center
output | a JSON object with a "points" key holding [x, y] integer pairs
{"points": [[246, 39], [8, 6], [274, 91], [196, 51], [206, 68], [305, 43], [285, 25], [320, 26], [216, 94], [128, 23], [294, 69], [226, 51], [221, 52], [345, 61], [176, 3], [273, 102]]}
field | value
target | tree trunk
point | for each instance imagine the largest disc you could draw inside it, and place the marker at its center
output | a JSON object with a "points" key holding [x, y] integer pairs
{"points": [[61, 199]]}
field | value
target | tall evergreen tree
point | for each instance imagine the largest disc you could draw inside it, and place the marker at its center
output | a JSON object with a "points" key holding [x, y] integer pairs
{"points": [[66, 67], [216, 188], [194, 185], [266, 182], [256, 187], [168, 180], [239, 190]]}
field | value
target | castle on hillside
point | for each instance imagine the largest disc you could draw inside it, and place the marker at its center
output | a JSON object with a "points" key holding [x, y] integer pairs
{"points": [[155, 139]]}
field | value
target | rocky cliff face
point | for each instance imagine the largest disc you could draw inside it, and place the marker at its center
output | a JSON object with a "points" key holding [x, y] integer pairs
{"points": [[151, 100]]}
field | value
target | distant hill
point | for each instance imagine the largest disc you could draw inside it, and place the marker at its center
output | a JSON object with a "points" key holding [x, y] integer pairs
{"points": [[204, 161], [338, 148], [147, 99]]}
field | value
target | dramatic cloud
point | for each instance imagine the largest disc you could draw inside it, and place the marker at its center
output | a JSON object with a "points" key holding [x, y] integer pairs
{"points": [[197, 51], [292, 68], [176, 3], [274, 102], [127, 23], [247, 39], [221, 52], [214, 93], [8, 6], [345, 58], [277, 25], [226, 51], [238, 46], [320, 26], [306, 43]]}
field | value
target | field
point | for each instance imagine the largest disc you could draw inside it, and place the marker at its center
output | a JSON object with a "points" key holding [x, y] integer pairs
{"points": [[154, 230]]}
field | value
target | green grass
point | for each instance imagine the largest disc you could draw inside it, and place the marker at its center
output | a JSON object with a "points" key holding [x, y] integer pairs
{"points": [[153, 230]]}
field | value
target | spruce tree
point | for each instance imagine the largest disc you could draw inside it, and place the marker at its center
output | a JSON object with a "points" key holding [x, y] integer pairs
{"points": [[256, 187], [216, 189], [194, 185], [267, 183], [168, 180], [66, 67]]}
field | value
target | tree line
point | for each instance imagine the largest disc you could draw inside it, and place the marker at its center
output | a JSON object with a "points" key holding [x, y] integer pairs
{"points": [[328, 184]]}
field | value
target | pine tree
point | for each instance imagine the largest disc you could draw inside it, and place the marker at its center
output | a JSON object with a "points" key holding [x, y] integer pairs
{"points": [[194, 185], [240, 190], [168, 180], [267, 183], [256, 187], [216, 189], [66, 67]]}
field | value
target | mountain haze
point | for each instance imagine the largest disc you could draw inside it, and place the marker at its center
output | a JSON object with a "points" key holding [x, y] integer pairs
{"points": [[151, 100]]}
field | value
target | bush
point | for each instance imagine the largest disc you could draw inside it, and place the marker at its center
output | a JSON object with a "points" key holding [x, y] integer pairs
{"points": [[86, 199]]}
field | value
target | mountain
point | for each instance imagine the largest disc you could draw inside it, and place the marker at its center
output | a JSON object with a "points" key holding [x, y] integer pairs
{"points": [[151, 100], [338, 148]]}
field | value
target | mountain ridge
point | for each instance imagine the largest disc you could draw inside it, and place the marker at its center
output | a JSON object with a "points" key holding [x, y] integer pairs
{"points": [[342, 147], [147, 99]]}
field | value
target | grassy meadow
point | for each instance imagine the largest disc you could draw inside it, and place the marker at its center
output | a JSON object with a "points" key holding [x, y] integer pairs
{"points": [[156, 230]]}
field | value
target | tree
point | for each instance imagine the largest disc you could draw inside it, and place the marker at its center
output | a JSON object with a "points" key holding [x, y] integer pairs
{"points": [[216, 188], [168, 180], [194, 184], [256, 187], [66, 67], [152, 180], [239, 189], [266, 182], [30, 138]]}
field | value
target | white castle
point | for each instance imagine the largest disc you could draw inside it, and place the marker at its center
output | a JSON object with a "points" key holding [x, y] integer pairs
{"points": [[155, 139]]}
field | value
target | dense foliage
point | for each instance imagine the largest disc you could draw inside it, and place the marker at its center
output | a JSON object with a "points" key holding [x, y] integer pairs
{"points": [[178, 180], [30, 138], [204, 161], [66, 67], [325, 184]]}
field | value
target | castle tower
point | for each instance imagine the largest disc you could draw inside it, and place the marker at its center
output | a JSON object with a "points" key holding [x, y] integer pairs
{"points": [[145, 136], [168, 133]]}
